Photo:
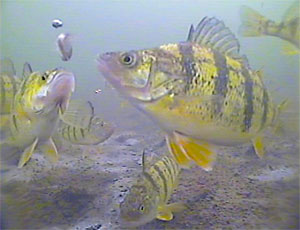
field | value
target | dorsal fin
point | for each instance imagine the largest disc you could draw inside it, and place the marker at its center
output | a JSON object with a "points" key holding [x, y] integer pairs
{"points": [[7, 67], [27, 70], [149, 158], [213, 33]]}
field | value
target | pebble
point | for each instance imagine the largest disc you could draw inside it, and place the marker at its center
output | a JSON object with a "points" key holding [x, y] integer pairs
{"points": [[131, 142]]}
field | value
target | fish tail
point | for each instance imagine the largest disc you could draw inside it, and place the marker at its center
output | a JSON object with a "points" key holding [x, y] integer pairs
{"points": [[253, 23]]}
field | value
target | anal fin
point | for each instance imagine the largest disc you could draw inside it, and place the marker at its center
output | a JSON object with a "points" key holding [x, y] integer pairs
{"points": [[258, 146], [50, 150], [27, 153]]}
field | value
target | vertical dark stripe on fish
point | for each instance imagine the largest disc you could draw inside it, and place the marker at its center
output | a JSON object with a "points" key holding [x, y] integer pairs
{"points": [[162, 176], [63, 131], [15, 122], [171, 167], [23, 84], [265, 101], [69, 137], [174, 166], [74, 134], [167, 165], [152, 182], [248, 98], [82, 132], [14, 85], [187, 55], [221, 80], [92, 115], [3, 96]]}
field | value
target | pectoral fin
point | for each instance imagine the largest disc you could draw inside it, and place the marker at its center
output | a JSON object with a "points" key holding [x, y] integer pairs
{"points": [[166, 212], [186, 149], [26, 155], [50, 150], [258, 146]]}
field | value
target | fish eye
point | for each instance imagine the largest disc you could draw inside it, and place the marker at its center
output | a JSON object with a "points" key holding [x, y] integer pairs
{"points": [[127, 59], [141, 208]]}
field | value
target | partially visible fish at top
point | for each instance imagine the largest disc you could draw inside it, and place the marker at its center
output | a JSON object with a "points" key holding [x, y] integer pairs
{"points": [[56, 23], [38, 103], [148, 197], [96, 132], [254, 25], [64, 44], [201, 92]]}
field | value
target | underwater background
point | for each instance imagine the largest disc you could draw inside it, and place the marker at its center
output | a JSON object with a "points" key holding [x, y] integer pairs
{"points": [[83, 190]]}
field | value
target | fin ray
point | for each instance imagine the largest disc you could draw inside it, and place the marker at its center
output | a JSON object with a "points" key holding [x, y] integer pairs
{"points": [[50, 150], [258, 146], [26, 155], [79, 114], [213, 33]]}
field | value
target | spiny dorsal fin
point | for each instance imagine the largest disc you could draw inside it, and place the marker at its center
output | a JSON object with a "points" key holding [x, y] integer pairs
{"points": [[213, 33], [27, 70], [149, 158], [78, 113], [7, 67]]}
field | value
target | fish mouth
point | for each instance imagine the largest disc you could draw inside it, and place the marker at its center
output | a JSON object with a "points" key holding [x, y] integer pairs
{"points": [[104, 63], [138, 222], [63, 82], [60, 88]]}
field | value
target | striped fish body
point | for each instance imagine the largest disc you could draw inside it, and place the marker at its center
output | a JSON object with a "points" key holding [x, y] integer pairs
{"points": [[97, 131], [223, 101], [8, 89], [202, 92], [147, 198], [164, 177]]}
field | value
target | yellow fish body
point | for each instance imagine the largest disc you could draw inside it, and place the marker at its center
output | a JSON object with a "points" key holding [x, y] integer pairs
{"points": [[201, 92], [148, 197], [254, 25], [35, 113]]}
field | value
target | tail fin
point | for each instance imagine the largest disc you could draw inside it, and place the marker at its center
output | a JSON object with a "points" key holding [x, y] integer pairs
{"points": [[253, 23]]}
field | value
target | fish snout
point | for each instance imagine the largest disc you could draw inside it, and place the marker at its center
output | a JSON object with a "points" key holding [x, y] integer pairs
{"points": [[106, 56]]}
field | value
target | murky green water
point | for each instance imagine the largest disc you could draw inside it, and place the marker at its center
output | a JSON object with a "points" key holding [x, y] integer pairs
{"points": [[83, 190]]}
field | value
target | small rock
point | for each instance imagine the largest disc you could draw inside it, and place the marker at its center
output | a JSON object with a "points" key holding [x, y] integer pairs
{"points": [[131, 142]]}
